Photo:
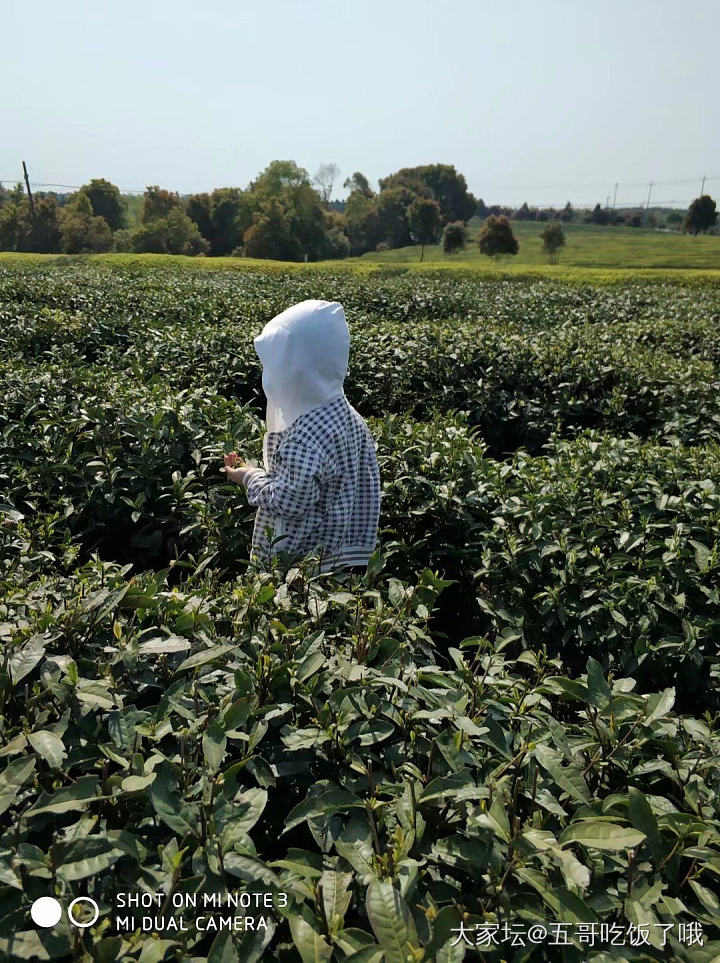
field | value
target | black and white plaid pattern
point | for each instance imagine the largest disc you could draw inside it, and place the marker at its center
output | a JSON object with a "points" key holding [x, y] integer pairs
{"points": [[321, 493]]}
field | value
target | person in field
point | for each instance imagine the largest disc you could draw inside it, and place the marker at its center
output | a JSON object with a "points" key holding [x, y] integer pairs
{"points": [[319, 490]]}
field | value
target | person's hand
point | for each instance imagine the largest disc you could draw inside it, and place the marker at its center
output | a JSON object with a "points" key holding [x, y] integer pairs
{"points": [[235, 467]]}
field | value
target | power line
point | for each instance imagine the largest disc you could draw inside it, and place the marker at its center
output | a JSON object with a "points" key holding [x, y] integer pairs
{"points": [[617, 188], [603, 184]]}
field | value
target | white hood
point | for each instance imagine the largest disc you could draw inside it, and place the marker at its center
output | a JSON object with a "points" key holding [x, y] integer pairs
{"points": [[304, 352]]}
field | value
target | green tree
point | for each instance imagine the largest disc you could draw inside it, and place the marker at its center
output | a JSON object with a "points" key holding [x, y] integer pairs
{"points": [[553, 238], [359, 184], [497, 238], [175, 234], [271, 234], [337, 243], [525, 213], [701, 215], [392, 207], [295, 224], [230, 217], [151, 238], [198, 209], [278, 176], [597, 216], [20, 231], [568, 213], [134, 204], [308, 219], [106, 201], [454, 237], [122, 240], [183, 234], [45, 234], [441, 182], [83, 232], [15, 223], [424, 222], [363, 225], [158, 203], [221, 217]]}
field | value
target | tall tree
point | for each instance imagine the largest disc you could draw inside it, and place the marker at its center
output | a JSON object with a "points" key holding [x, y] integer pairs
{"points": [[198, 209], [325, 178], [158, 203], [277, 176], [357, 183], [701, 215], [598, 216], [553, 238], [497, 238], [454, 237], [299, 210], [424, 217], [106, 201], [230, 217], [82, 231], [364, 227], [271, 234], [441, 182], [45, 235], [392, 208], [19, 231], [183, 234]]}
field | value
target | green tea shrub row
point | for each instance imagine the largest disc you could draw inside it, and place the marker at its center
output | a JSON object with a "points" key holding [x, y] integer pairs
{"points": [[179, 296], [285, 734], [520, 387], [603, 547]]}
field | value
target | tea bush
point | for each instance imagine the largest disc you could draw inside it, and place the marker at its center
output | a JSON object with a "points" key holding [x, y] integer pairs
{"points": [[513, 718]]}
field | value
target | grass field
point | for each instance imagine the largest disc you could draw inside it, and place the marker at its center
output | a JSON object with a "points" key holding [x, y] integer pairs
{"points": [[587, 246], [365, 267]]}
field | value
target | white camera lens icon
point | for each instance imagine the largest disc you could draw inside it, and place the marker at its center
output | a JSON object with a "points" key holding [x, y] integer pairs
{"points": [[46, 911]]}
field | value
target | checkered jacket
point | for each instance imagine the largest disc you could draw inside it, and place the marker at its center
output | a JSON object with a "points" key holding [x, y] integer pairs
{"points": [[321, 492]]}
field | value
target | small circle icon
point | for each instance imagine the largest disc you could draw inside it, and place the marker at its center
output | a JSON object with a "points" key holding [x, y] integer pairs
{"points": [[83, 899], [46, 911]]}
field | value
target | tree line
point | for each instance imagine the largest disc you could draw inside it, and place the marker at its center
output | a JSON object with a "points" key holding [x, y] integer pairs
{"points": [[283, 214]]}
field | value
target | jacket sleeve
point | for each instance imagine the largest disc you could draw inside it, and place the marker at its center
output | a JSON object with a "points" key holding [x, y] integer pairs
{"points": [[293, 486]]}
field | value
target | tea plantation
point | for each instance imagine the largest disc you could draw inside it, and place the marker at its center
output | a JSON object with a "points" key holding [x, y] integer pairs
{"points": [[512, 721]]}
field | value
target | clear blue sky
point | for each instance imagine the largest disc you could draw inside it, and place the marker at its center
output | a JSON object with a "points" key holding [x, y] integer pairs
{"points": [[544, 101]]}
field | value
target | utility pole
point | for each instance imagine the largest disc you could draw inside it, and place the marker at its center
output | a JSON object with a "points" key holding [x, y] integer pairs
{"points": [[702, 186], [30, 197], [615, 195], [647, 203]]}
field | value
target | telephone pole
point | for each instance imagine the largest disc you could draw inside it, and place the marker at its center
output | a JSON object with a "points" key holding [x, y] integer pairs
{"points": [[702, 186], [30, 197], [615, 195], [647, 203]]}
